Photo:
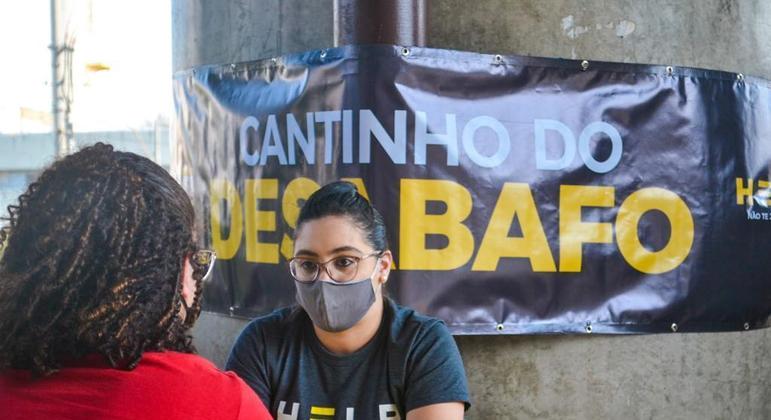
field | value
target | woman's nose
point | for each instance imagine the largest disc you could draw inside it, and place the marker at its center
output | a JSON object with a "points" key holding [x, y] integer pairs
{"points": [[323, 274]]}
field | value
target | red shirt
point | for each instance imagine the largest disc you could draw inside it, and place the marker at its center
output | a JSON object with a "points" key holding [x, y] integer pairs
{"points": [[165, 385]]}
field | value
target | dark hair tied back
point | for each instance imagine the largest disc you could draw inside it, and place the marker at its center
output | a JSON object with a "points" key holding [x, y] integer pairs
{"points": [[341, 198]]}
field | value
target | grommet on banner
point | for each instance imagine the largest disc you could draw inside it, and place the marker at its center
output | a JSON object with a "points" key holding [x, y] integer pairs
{"points": [[499, 327], [405, 51], [498, 59], [746, 325], [588, 328], [740, 77], [323, 54], [674, 327], [584, 65], [670, 70]]}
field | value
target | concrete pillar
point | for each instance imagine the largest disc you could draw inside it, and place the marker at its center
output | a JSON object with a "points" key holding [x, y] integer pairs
{"points": [[725, 375]]}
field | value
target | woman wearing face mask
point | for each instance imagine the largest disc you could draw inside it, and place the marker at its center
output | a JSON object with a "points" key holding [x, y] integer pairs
{"points": [[347, 352], [100, 281]]}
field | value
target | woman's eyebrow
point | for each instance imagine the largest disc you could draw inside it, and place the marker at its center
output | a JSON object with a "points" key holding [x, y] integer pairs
{"points": [[345, 248], [305, 252], [338, 250]]}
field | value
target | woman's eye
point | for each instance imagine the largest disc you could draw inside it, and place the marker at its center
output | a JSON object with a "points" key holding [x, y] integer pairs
{"points": [[308, 266], [344, 262]]}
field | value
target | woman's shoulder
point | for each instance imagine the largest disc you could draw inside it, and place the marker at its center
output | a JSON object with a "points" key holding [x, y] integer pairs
{"points": [[264, 339], [206, 391], [407, 324], [198, 376], [276, 324], [184, 366]]}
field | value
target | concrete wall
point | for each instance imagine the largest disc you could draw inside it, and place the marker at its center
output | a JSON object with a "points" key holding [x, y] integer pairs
{"points": [[693, 376]]}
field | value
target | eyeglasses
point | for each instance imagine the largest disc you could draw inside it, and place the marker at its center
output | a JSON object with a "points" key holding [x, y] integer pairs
{"points": [[203, 262], [343, 268]]}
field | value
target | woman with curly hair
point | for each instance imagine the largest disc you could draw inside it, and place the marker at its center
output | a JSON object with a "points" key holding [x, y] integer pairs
{"points": [[100, 282]]}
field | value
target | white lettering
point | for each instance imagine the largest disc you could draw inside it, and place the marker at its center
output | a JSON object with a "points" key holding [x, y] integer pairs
{"points": [[484, 140], [568, 142], [250, 159], [283, 416], [504, 142], [396, 148], [586, 153], [347, 136], [295, 136], [389, 412], [424, 138], [328, 118], [271, 144]]}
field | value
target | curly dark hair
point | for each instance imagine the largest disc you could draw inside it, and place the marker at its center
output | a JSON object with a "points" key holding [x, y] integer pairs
{"points": [[92, 263]]}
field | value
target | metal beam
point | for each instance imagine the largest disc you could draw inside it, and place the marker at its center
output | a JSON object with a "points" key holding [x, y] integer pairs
{"points": [[60, 140], [400, 22]]}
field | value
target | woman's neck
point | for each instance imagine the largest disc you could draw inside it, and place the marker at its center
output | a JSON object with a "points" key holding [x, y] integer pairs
{"points": [[356, 337]]}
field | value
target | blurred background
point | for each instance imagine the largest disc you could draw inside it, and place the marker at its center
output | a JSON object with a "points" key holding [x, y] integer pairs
{"points": [[107, 79]]}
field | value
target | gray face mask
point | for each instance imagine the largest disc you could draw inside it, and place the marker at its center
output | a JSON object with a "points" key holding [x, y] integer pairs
{"points": [[334, 306]]}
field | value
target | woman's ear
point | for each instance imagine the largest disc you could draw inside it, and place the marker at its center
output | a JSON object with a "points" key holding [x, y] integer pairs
{"points": [[386, 262], [188, 283]]}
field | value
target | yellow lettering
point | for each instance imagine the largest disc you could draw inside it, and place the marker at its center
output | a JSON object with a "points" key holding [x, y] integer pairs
{"points": [[324, 412], [220, 190], [681, 237], [743, 192], [260, 220], [298, 189], [515, 200], [573, 231], [415, 224]]}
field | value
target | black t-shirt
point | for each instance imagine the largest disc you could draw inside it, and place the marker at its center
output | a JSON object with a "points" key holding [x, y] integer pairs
{"points": [[411, 362]]}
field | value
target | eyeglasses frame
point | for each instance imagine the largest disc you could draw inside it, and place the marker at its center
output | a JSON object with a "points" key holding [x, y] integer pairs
{"points": [[210, 266], [319, 265]]}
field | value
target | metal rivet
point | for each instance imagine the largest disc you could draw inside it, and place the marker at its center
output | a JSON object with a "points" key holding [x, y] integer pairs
{"points": [[674, 327], [498, 59], [323, 54], [588, 328], [740, 77], [670, 70], [499, 327], [405, 51], [584, 65], [746, 325]]}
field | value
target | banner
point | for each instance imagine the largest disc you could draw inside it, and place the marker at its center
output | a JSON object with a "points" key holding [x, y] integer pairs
{"points": [[522, 195]]}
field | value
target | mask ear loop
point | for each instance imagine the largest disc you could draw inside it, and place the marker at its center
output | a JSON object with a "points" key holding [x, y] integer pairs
{"points": [[383, 279], [387, 271], [375, 270]]}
